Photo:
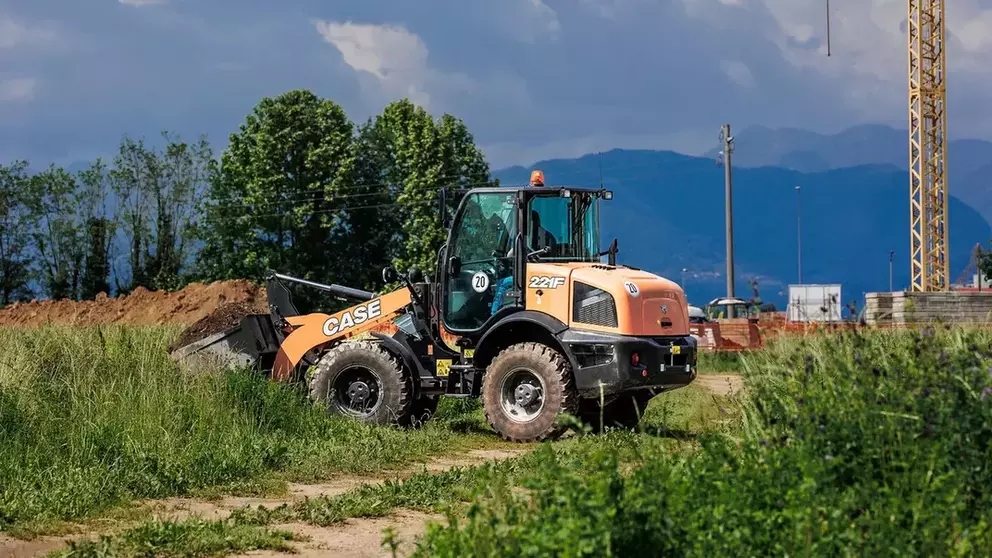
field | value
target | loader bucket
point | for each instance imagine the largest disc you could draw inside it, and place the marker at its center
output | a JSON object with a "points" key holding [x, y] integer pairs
{"points": [[253, 342]]}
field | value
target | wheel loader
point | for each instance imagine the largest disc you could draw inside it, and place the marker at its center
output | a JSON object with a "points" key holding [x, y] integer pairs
{"points": [[521, 311]]}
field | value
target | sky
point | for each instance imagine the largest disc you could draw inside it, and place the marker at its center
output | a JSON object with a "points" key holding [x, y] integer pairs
{"points": [[533, 79]]}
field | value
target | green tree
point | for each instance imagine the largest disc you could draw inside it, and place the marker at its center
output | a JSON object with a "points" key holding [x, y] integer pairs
{"points": [[15, 224], [425, 155], [985, 263], [371, 232], [160, 194], [278, 200], [99, 231], [55, 203]]}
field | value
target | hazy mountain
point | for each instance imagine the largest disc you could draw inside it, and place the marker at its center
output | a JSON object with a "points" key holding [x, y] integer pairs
{"points": [[668, 214], [968, 160]]}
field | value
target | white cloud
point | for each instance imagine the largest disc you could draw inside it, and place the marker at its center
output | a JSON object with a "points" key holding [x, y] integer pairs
{"points": [[738, 72], [17, 89], [396, 58], [14, 33], [868, 47], [542, 22]]}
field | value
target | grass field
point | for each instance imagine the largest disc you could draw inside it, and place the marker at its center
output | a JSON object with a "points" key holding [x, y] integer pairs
{"points": [[865, 444], [94, 418]]}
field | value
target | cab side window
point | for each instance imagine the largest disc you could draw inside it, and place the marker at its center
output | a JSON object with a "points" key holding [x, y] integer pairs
{"points": [[482, 238]]}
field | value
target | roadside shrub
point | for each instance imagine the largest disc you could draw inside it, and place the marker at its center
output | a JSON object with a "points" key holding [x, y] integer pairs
{"points": [[867, 444]]}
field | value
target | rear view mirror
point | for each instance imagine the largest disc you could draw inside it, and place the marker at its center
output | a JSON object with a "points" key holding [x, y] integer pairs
{"points": [[389, 275], [454, 265]]}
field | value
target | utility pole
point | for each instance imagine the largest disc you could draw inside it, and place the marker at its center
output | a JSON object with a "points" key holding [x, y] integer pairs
{"points": [[799, 232], [891, 252], [728, 149]]}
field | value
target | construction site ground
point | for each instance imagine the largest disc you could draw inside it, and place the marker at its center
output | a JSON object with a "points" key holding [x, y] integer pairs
{"points": [[205, 309]]}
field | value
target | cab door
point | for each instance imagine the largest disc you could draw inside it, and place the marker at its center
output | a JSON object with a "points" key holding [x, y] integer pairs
{"points": [[479, 272]]}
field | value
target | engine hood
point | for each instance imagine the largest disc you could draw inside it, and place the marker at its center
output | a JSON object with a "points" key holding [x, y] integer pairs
{"points": [[646, 304]]}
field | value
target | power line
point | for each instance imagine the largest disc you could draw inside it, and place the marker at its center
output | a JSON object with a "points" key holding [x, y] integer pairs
{"points": [[592, 175]]}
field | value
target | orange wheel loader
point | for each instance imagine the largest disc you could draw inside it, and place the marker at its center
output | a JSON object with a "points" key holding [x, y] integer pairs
{"points": [[520, 311]]}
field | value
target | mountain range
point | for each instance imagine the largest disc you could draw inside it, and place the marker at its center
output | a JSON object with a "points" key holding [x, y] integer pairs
{"points": [[853, 208]]}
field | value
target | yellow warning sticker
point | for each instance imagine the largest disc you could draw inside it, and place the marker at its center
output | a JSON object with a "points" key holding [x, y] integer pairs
{"points": [[468, 353], [676, 350], [443, 366]]}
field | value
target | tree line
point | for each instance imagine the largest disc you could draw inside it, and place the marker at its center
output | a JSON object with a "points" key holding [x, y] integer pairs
{"points": [[300, 188]]}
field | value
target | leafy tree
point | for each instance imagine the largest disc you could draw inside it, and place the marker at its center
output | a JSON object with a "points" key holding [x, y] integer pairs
{"points": [[15, 222], [159, 195], [371, 235], [58, 240], [985, 263], [423, 156], [99, 231], [277, 201]]}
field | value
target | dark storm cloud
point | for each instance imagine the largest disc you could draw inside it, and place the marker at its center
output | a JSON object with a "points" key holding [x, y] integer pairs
{"points": [[531, 78]]}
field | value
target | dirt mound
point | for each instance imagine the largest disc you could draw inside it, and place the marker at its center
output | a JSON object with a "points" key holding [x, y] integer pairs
{"points": [[141, 307], [226, 316]]}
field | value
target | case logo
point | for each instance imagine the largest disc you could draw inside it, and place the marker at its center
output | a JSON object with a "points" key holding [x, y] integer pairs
{"points": [[350, 318]]}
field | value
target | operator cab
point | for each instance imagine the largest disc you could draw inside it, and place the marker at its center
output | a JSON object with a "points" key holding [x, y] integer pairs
{"points": [[495, 231]]}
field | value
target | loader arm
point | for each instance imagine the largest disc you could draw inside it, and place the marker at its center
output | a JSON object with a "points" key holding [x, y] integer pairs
{"points": [[314, 330]]}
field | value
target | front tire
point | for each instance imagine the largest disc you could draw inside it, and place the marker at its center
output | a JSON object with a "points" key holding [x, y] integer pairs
{"points": [[624, 412], [524, 390], [362, 380]]}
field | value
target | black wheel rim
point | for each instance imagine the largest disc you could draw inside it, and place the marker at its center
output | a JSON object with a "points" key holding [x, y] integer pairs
{"points": [[357, 391]]}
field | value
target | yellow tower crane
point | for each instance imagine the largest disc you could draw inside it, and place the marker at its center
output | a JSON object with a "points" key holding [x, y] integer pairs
{"points": [[927, 146]]}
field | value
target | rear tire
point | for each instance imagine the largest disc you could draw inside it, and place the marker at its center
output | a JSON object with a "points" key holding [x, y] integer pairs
{"points": [[524, 390], [362, 380]]}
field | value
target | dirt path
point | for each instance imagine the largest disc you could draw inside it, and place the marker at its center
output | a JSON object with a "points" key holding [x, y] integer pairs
{"points": [[355, 538], [721, 384], [352, 538]]}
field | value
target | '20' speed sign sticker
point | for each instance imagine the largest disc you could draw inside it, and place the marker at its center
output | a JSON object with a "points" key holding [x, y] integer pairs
{"points": [[480, 282], [631, 288]]}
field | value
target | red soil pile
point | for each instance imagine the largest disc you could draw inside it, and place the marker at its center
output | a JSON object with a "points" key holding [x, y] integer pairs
{"points": [[143, 307], [226, 316]]}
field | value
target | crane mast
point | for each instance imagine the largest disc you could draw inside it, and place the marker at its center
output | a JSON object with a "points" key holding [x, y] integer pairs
{"points": [[927, 153]]}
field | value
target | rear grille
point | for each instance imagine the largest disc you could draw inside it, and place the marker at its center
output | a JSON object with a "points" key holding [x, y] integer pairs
{"points": [[593, 306]]}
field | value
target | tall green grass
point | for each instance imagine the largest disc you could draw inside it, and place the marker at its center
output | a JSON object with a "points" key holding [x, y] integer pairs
{"points": [[722, 361], [871, 444], [91, 418]]}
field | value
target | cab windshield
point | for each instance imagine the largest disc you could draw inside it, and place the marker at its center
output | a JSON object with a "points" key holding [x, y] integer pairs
{"points": [[566, 227]]}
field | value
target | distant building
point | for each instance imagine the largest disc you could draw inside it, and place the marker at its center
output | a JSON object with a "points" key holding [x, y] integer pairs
{"points": [[814, 303]]}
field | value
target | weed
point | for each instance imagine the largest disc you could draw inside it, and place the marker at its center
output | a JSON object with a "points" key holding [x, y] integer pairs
{"points": [[95, 417], [854, 443], [190, 538]]}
